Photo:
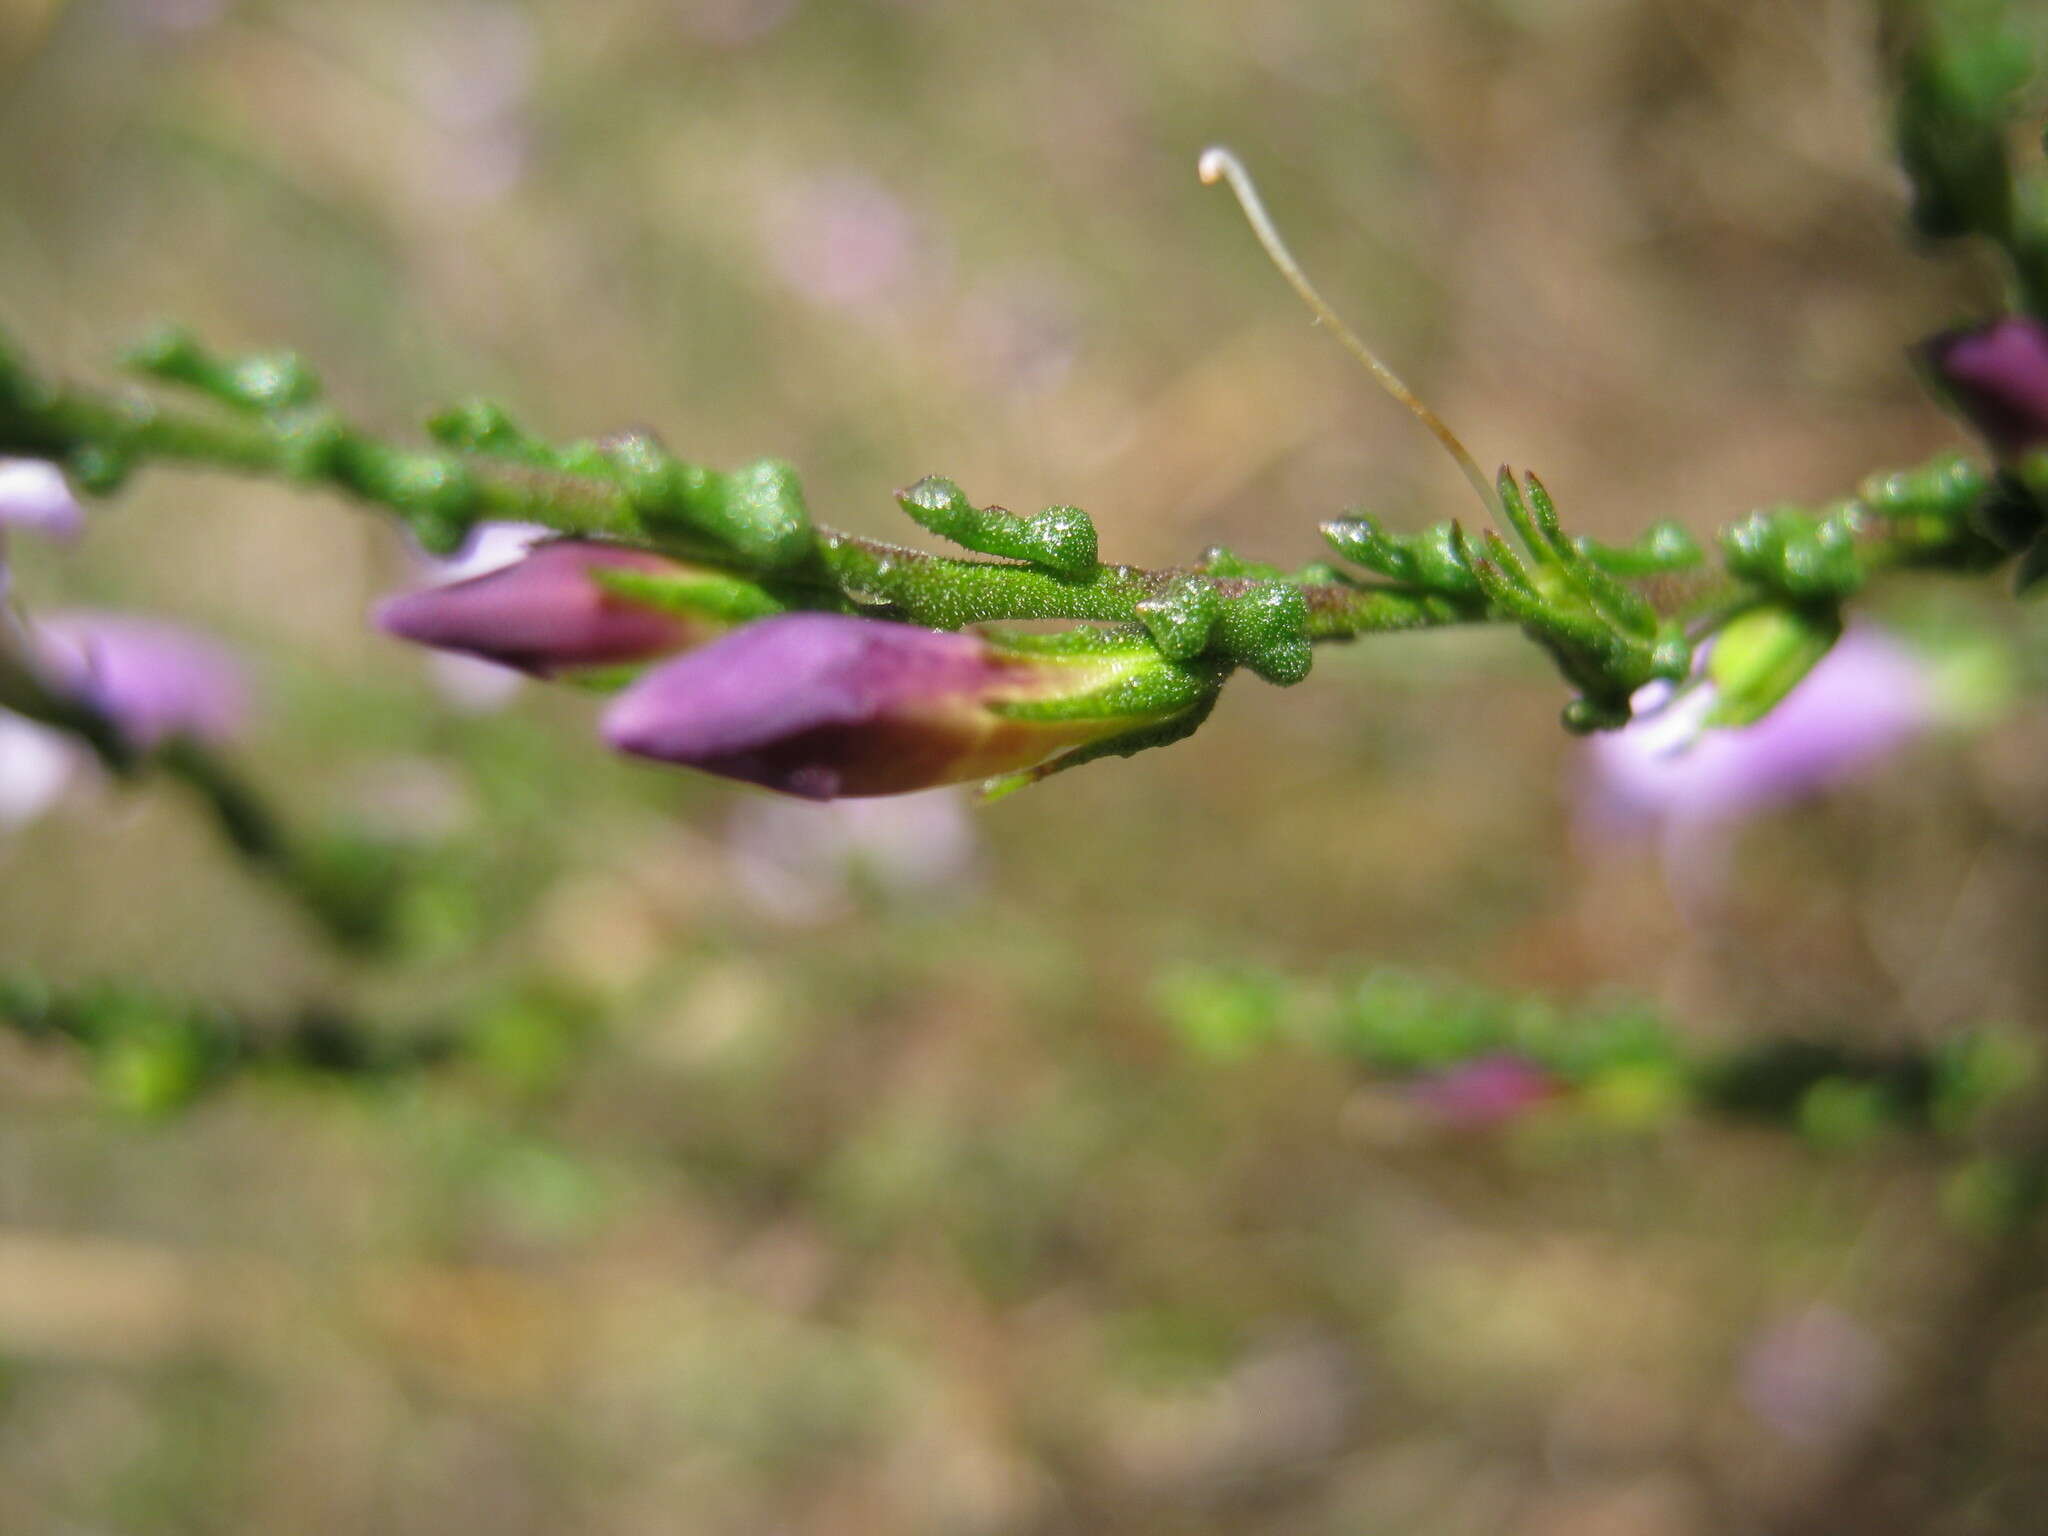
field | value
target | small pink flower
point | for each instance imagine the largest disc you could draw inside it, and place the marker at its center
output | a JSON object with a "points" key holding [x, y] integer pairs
{"points": [[1487, 1091]]}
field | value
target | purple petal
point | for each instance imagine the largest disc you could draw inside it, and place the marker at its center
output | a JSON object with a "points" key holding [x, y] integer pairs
{"points": [[816, 704], [1868, 696], [35, 765], [1998, 376], [546, 613], [34, 495], [490, 546], [153, 679]]}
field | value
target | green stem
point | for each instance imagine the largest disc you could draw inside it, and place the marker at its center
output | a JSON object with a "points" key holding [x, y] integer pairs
{"points": [[429, 488]]}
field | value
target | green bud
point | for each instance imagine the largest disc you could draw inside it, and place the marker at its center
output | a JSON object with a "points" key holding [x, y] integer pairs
{"points": [[1762, 655]]}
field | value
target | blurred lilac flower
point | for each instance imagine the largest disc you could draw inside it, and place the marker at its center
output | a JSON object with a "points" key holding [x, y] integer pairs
{"points": [[843, 241], [1997, 374], [1020, 334], [1483, 1092], [1667, 773], [1867, 696], [733, 23], [176, 15], [1814, 1376], [471, 69], [35, 496], [153, 680], [800, 864], [823, 705], [547, 613], [474, 63]]}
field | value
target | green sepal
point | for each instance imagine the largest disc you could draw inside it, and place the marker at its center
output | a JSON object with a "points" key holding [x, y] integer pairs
{"points": [[2009, 515], [1059, 539], [1181, 616], [1266, 628], [1219, 561], [1946, 487], [1961, 87], [261, 382], [1798, 555], [1760, 656], [1149, 689], [1162, 733], [98, 469], [1428, 560], [757, 511], [711, 595], [484, 426], [1662, 549]]}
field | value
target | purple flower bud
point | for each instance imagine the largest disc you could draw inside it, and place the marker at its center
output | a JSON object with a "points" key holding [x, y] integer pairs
{"points": [[34, 495], [153, 680], [547, 614], [1997, 375], [824, 706]]}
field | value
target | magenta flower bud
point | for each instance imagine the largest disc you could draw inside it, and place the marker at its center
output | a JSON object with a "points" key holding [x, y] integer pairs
{"points": [[153, 680], [1997, 375], [825, 706], [547, 613], [1487, 1091]]}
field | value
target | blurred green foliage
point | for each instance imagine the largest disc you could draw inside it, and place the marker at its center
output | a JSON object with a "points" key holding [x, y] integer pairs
{"points": [[790, 1175]]}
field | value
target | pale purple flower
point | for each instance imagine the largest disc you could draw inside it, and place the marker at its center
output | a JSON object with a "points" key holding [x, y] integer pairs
{"points": [[490, 546], [173, 16], [843, 241], [1813, 1377], [36, 763], [152, 679], [1997, 375], [824, 705], [549, 612], [1020, 334], [800, 864], [34, 495], [473, 64], [1867, 696], [1486, 1091], [733, 23]]}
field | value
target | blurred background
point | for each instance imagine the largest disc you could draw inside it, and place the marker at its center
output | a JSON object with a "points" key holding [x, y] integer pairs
{"points": [[907, 1167]]}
